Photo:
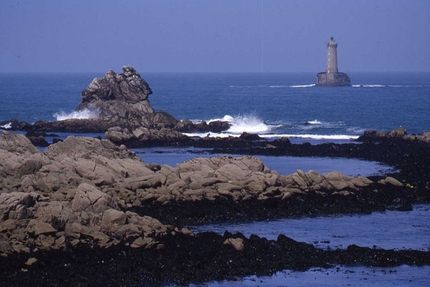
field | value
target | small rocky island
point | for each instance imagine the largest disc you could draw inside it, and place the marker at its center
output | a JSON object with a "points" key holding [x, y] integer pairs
{"points": [[332, 77], [124, 113]]}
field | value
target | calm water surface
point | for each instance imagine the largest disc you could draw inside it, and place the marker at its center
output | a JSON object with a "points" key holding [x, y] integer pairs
{"points": [[282, 164], [388, 230]]}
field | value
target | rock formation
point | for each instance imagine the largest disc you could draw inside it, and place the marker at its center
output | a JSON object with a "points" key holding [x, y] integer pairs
{"points": [[122, 99], [398, 134], [119, 99], [54, 199], [84, 190], [87, 210]]}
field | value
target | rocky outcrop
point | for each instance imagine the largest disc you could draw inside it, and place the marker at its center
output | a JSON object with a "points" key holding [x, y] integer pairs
{"points": [[400, 134], [118, 100], [86, 206], [127, 87], [123, 98], [143, 137], [332, 79], [33, 222], [187, 126], [72, 184], [54, 199], [185, 260]]}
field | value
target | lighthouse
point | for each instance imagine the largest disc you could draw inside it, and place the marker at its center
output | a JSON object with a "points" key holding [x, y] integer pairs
{"points": [[331, 57], [332, 77]]}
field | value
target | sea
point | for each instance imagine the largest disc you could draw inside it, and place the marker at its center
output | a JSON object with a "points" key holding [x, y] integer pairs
{"points": [[273, 105]]}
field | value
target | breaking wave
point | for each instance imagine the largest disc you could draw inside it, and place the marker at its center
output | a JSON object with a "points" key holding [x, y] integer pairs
{"points": [[319, 125], [83, 114], [6, 126], [369, 86], [247, 123], [389, 86], [303, 86], [314, 122], [313, 136], [253, 124]]}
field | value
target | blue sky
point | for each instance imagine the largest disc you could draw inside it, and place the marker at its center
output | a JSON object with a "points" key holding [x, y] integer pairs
{"points": [[213, 36]]}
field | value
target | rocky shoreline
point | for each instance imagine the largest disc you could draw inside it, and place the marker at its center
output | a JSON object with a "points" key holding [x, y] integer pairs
{"points": [[184, 259], [86, 200], [88, 212]]}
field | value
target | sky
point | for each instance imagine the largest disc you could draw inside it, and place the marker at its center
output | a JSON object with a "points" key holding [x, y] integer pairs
{"points": [[213, 36]]}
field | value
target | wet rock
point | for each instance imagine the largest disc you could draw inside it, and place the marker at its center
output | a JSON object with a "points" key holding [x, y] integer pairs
{"points": [[188, 126], [249, 136]]}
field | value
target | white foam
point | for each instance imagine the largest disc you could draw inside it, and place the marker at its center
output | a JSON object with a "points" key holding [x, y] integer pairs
{"points": [[313, 136], [356, 130], [211, 135], [303, 86], [83, 114], [253, 124], [368, 86], [226, 118], [318, 125], [247, 123], [275, 136], [6, 126], [314, 122]]}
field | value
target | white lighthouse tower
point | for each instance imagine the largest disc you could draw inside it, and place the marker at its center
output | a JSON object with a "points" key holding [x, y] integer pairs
{"points": [[331, 57], [332, 77]]}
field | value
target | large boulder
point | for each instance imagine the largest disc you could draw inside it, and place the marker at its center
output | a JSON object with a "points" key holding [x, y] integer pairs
{"points": [[88, 198]]}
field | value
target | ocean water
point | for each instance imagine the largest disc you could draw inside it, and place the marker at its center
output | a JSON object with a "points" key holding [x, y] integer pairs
{"points": [[270, 104], [388, 230], [274, 105]]}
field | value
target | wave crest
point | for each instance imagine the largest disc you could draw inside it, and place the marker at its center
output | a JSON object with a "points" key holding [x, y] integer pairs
{"points": [[368, 86], [314, 122], [247, 123], [6, 126], [83, 114], [314, 136], [303, 86]]}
